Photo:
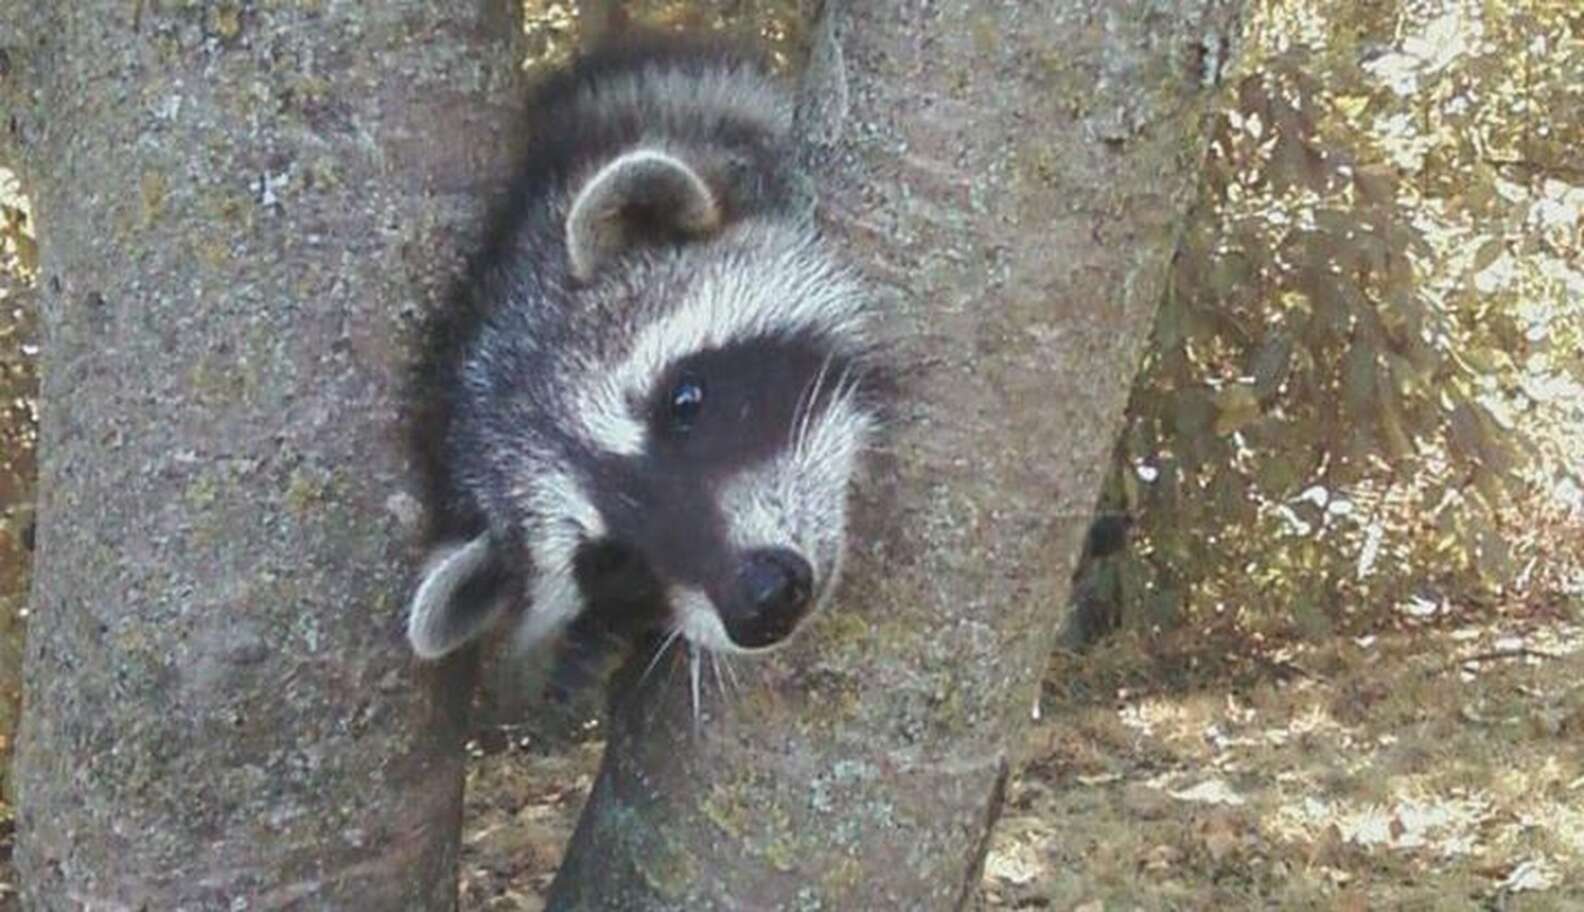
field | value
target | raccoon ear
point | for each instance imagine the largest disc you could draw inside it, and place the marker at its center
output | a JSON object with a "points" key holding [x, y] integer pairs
{"points": [[645, 193], [462, 593]]}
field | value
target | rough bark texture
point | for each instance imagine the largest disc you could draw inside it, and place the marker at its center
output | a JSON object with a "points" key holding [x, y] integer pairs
{"points": [[244, 210], [1012, 176]]}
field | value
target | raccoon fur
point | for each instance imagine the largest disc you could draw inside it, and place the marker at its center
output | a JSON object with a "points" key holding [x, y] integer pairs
{"points": [[659, 388]]}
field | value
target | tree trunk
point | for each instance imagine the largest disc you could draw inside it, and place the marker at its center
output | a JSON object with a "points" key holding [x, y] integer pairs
{"points": [[1013, 178], [244, 209]]}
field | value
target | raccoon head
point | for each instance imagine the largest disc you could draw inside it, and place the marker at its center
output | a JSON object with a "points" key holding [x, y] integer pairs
{"points": [[660, 425]]}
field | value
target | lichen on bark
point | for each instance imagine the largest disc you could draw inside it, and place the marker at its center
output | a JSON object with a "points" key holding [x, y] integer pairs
{"points": [[244, 211]]}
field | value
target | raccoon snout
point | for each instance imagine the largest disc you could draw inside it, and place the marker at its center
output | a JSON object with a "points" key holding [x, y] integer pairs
{"points": [[773, 591]]}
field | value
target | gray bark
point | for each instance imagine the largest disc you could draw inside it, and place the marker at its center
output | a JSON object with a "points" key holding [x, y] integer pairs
{"points": [[1012, 176], [244, 210]]}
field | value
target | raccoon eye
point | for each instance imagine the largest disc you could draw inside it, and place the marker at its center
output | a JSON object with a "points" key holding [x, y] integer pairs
{"points": [[687, 397]]}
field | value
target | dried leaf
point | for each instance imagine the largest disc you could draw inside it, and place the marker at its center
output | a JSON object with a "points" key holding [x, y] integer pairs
{"points": [[1269, 364], [1358, 377], [1236, 406], [1488, 253], [1376, 184], [1144, 802], [1221, 832]]}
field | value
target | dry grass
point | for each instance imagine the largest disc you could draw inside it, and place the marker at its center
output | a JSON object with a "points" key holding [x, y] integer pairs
{"points": [[1435, 770]]}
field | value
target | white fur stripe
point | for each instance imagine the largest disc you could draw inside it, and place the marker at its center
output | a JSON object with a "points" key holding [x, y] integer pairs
{"points": [[564, 518], [762, 282], [555, 602]]}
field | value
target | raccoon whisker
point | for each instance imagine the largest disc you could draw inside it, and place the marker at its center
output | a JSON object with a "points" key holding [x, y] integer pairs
{"points": [[813, 396], [666, 644], [820, 381], [847, 387], [720, 683], [797, 408], [731, 674], [851, 399], [693, 673], [801, 435], [630, 695], [671, 670], [842, 391], [805, 404]]}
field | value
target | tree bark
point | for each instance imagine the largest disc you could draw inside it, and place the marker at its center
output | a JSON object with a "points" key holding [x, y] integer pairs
{"points": [[1013, 179], [244, 210]]}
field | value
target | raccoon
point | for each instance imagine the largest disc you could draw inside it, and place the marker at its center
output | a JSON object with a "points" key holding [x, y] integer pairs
{"points": [[661, 382]]}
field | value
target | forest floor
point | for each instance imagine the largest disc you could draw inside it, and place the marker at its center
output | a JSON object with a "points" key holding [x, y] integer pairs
{"points": [[1437, 769]]}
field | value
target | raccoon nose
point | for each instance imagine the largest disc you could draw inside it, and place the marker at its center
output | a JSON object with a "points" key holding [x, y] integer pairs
{"points": [[773, 589]]}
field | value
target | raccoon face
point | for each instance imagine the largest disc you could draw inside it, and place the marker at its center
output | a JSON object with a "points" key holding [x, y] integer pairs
{"points": [[676, 453], [736, 500]]}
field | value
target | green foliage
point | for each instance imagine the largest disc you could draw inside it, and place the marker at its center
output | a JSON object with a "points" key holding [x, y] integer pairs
{"points": [[1336, 415]]}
